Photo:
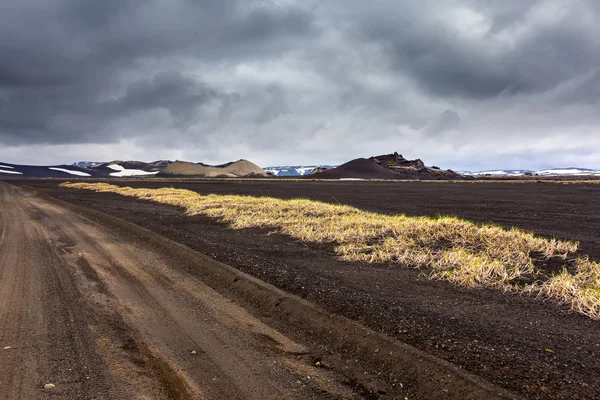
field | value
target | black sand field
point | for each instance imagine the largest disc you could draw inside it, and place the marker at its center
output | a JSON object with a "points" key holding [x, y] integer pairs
{"points": [[535, 348]]}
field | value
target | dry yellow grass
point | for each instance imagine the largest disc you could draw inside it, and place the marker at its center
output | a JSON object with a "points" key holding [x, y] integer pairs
{"points": [[447, 248]]}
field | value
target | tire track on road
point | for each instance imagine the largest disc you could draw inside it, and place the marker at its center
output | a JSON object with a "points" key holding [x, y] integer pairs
{"points": [[42, 337], [126, 323]]}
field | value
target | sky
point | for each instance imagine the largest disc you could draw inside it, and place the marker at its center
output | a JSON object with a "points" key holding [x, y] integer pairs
{"points": [[467, 85]]}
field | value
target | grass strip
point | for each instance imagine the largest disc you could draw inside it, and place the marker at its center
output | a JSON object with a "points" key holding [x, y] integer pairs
{"points": [[448, 248]]}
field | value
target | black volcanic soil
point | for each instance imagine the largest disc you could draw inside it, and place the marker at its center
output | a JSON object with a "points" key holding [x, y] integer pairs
{"points": [[536, 348]]}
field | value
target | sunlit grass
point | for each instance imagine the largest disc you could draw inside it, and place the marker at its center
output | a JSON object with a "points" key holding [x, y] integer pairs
{"points": [[447, 248]]}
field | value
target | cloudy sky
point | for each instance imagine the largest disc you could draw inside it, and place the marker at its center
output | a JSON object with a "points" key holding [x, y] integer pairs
{"points": [[460, 84]]}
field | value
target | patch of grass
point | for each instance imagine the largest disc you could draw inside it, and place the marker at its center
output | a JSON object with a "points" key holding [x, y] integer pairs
{"points": [[448, 248]]}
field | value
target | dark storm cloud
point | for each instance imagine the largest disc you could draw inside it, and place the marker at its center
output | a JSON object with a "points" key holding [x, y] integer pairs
{"points": [[61, 66], [212, 29], [170, 91], [69, 113], [509, 55]]}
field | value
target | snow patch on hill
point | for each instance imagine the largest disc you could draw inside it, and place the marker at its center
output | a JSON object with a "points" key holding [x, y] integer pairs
{"points": [[128, 172], [68, 171]]}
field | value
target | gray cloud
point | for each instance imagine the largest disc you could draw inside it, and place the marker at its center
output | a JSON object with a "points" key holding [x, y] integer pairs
{"points": [[484, 52], [282, 81], [83, 64], [180, 95], [447, 121], [72, 114]]}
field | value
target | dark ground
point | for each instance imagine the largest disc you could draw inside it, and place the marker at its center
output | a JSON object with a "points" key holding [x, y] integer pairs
{"points": [[536, 348]]}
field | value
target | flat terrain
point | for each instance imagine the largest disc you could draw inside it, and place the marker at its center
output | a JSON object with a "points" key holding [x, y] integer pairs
{"points": [[95, 308], [533, 348]]}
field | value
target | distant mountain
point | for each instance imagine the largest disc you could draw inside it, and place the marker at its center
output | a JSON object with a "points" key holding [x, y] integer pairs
{"points": [[571, 171], [387, 166], [297, 170], [240, 168], [390, 166], [112, 169], [86, 164], [499, 173]]}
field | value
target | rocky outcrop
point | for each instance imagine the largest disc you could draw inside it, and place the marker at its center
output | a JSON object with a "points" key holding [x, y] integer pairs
{"points": [[317, 170]]}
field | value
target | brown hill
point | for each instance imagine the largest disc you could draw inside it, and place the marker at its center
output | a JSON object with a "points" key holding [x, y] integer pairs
{"points": [[241, 168], [389, 166]]}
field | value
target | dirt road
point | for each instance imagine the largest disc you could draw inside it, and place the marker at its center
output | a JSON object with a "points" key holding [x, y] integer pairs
{"points": [[91, 314], [70, 291]]}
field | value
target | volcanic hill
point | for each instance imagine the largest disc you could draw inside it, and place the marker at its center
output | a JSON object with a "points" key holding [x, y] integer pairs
{"points": [[389, 166], [240, 168]]}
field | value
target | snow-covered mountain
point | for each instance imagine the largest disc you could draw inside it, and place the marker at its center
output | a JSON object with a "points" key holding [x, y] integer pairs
{"points": [[87, 164], [498, 172], [296, 170], [571, 171], [568, 172]]}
